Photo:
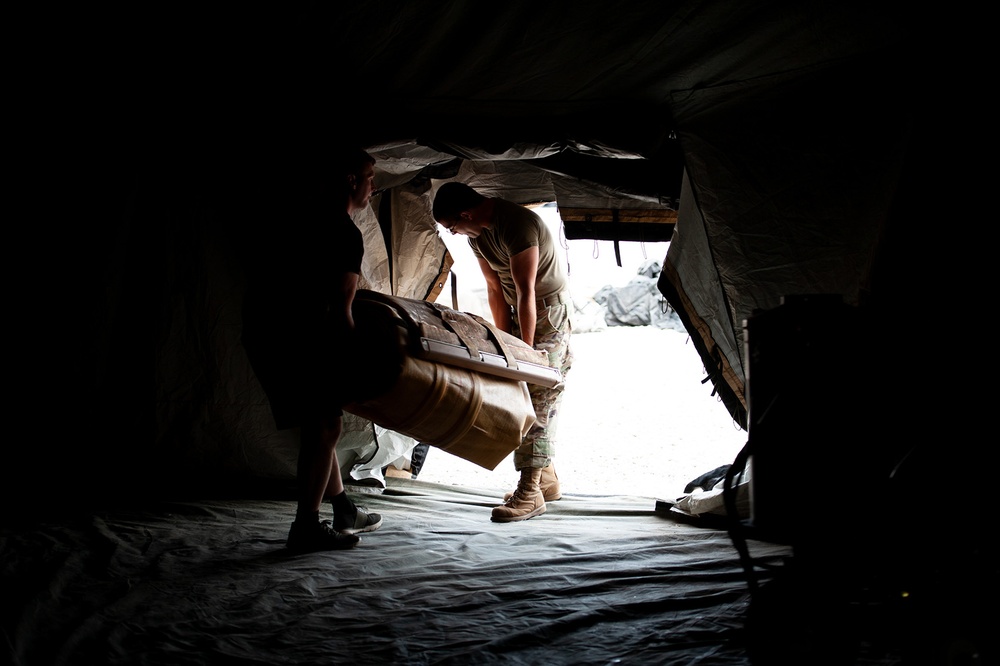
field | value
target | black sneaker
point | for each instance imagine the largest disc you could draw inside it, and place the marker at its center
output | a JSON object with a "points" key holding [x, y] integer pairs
{"points": [[363, 522], [310, 537]]}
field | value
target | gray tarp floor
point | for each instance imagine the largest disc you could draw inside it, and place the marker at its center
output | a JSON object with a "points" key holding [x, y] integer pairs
{"points": [[596, 580]]}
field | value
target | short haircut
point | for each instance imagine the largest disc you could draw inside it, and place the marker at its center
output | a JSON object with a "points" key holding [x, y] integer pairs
{"points": [[454, 198], [351, 160]]}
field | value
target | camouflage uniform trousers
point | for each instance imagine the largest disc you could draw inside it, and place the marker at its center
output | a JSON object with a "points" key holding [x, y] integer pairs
{"points": [[552, 334]]}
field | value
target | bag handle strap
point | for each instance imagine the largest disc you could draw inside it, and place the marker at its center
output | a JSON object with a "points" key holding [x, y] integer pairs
{"points": [[448, 316], [498, 339]]}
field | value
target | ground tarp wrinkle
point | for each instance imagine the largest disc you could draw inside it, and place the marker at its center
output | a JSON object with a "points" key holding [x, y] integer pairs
{"points": [[595, 580]]}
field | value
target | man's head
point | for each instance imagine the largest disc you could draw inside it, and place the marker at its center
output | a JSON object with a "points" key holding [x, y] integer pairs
{"points": [[455, 206], [355, 169]]}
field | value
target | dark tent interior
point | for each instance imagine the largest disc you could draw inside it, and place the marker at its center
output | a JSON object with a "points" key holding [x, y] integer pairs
{"points": [[802, 161]]}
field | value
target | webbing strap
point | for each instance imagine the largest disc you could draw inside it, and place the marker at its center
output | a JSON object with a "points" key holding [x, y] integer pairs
{"points": [[501, 345], [449, 317]]}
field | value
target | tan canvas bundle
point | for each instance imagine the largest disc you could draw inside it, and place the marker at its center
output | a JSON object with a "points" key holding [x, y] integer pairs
{"points": [[443, 377]]}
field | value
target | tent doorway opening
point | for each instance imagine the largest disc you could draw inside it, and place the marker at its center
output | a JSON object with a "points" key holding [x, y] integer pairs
{"points": [[638, 416]]}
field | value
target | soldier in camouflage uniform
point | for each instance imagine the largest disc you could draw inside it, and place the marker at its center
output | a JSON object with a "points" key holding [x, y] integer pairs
{"points": [[528, 297]]}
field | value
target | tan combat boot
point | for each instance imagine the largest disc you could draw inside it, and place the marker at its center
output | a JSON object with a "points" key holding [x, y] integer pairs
{"points": [[525, 502], [549, 483]]}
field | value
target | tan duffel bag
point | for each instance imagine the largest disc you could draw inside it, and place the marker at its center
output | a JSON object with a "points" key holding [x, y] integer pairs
{"points": [[443, 377]]}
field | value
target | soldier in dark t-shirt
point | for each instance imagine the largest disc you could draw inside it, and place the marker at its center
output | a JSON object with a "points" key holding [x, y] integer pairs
{"points": [[297, 322]]}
